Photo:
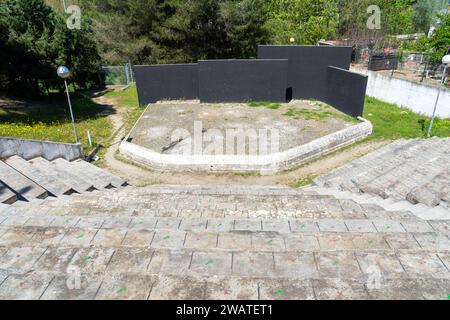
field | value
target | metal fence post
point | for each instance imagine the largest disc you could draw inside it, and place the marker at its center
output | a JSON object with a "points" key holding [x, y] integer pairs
{"points": [[127, 75]]}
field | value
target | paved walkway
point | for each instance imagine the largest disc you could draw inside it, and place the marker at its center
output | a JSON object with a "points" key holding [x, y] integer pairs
{"points": [[223, 242]]}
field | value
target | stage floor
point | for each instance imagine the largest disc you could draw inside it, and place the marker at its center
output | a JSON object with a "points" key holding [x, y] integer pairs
{"points": [[171, 127]]}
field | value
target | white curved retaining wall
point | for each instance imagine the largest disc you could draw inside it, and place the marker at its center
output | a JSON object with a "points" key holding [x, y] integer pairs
{"points": [[248, 163], [29, 149], [419, 98]]}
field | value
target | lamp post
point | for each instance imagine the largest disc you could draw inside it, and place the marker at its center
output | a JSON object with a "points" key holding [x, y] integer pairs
{"points": [[292, 40], [64, 73], [446, 62]]}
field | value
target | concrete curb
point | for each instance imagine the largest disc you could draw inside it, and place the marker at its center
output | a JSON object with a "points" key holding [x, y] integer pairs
{"points": [[29, 149], [271, 163]]}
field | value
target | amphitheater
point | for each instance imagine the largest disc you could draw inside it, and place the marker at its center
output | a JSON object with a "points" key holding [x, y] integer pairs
{"points": [[376, 228]]}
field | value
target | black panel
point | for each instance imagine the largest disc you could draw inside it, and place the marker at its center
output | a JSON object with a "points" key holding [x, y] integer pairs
{"points": [[243, 80], [308, 66], [379, 62], [157, 82], [346, 91]]}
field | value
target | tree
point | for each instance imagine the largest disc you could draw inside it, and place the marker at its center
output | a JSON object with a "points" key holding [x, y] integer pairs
{"points": [[440, 40], [396, 18], [425, 14], [307, 21], [211, 29], [125, 30], [35, 39], [173, 31]]}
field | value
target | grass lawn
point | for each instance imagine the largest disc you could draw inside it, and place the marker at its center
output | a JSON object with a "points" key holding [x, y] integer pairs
{"points": [[392, 122], [266, 104], [319, 112], [49, 119]]}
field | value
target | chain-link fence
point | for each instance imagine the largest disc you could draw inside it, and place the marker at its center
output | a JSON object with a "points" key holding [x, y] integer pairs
{"points": [[117, 75]]}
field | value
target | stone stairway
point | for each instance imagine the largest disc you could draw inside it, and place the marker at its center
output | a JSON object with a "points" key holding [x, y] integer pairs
{"points": [[38, 178], [221, 242], [409, 175]]}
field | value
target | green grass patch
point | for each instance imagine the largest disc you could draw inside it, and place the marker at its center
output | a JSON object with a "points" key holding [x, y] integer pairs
{"points": [[49, 119], [393, 122], [127, 97], [319, 112], [265, 104], [302, 182], [308, 114]]}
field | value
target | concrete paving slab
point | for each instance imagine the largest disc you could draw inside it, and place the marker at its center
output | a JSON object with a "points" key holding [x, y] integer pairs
{"points": [[125, 287], [178, 288], [168, 239], [234, 241], [17, 236], [338, 265], [308, 243], [49, 237], [258, 264], [286, 290], [201, 240], [138, 238], [365, 226], [334, 242], [174, 262], [78, 237], [24, 287], [91, 260], [304, 226], [211, 263], [295, 266], [219, 288], [130, 260], [386, 262], [220, 225], [72, 286], [109, 237], [422, 263], [339, 289], [143, 223], [402, 241], [55, 260]]}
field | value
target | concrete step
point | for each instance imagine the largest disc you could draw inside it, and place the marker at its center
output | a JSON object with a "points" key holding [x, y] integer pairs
{"points": [[360, 166], [422, 211], [93, 170], [76, 170], [436, 213], [75, 182], [20, 184], [208, 279], [408, 170], [354, 165], [287, 226], [6, 195], [52, 184]]}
